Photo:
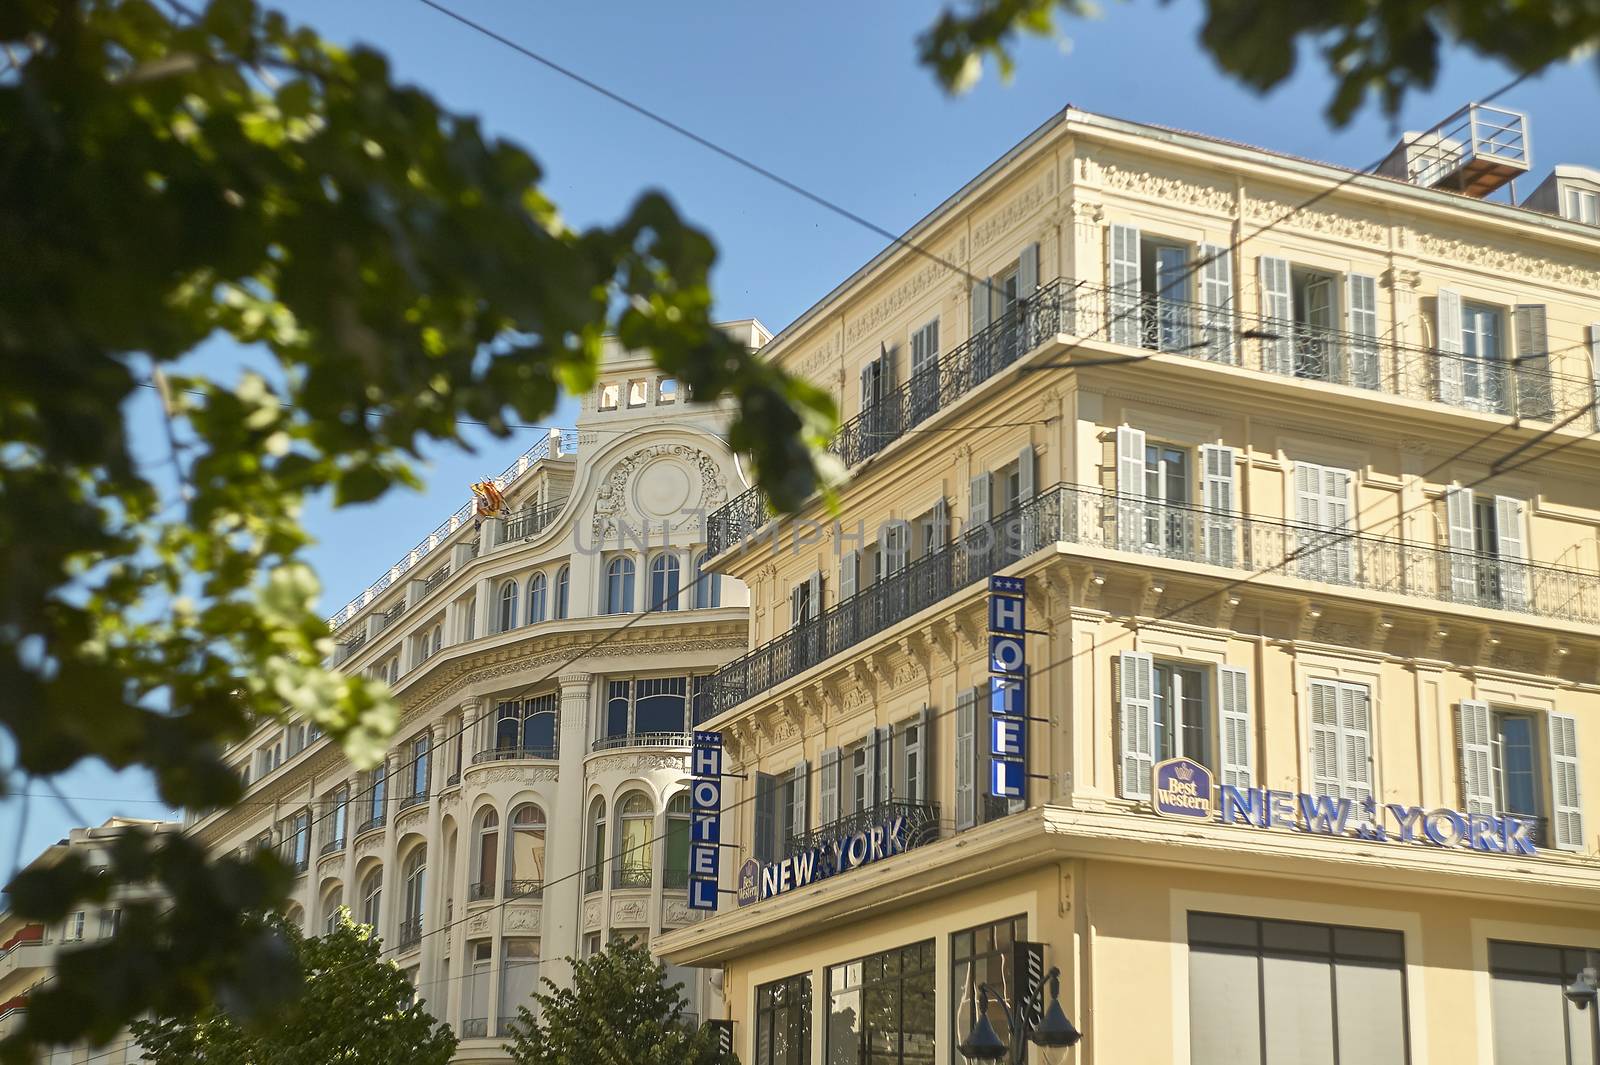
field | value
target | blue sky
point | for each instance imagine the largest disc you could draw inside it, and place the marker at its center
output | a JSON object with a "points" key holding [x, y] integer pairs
{"points": [[827, 94]]}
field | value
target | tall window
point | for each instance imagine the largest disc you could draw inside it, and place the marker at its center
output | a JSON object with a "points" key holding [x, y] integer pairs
{"points": [[619, 585], [1516, 764], [1166, 481], [563, 578], [488, 855], [1180, 721], [338, 818], [677, 867], [332, 903], [647, 706], [1264, 992], [527, 725], [663, 582], [1482, 376], [1341, 739], [880, 1008], [379, 793], [1533, 1021], [415, 873], [419, 765], [783, 1022], [707, 586], [525, 867], [983, 955], [508, 607], [371, 896], [597, 845], [635, 840], [519, 975], [537, 593], [299, 849]]}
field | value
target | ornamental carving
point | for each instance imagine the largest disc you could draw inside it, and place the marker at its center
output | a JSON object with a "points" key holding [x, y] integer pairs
{"points": [[628, 911], [1339, 633], [523, 919], [1339, 224], [1206, 197], [1501, 261], [514, 774], [676, 911], [336, 858], [369, 843], [412, 819], [1027, 202], [478, 924], [905, 674], [617, 496], [904, 294], [855, 698], [810, 365], [591, 915], [1517, 660], [638, 763], [449, 802]]}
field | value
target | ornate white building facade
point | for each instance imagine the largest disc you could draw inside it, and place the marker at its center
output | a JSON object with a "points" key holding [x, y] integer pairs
{"points": [[549, 666]]}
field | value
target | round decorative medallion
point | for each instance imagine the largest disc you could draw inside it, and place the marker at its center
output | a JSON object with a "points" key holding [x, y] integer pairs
{"points": [[661, 489]]}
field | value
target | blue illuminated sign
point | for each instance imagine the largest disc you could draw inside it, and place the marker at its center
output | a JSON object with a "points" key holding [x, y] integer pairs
{"points": [[705, 826], [1008, 688]]}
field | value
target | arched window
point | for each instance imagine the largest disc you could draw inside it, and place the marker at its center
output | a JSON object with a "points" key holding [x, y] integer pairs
{"points": [[488, 853], [332, 903], [539, 724], [677, 866], [536, 597], [707, 586], [663, 583], [438, 638], [414, 886], [371, 896], [563, 578], [508, 725], [597, 845], [508, 606], [619, 585], [634, 839], [525, 864]]}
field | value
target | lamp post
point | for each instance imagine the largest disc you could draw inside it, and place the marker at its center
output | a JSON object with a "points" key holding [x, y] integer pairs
{"points": [[1053, 1032], [1583, 993]]}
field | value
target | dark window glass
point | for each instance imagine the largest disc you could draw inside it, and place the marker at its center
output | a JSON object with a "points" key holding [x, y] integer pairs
{"points": [[617, 706], [983, 955], [881, 1009], [783, 1022]]}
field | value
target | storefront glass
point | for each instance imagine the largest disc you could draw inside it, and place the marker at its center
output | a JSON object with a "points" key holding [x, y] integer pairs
{"points": [[881, 1008]]}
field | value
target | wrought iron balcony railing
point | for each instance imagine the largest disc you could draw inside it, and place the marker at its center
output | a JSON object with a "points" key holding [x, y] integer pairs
{"points": [[333, 845], [592, 882], [675, 879], [410, 933], [530, 521], [478, 892], [524, 889], [632, 876], [376, 821], [1094, 517], [414, 799], [475, 1028], [1525, 387], [505, 754], [642, 739], [922, 825]]}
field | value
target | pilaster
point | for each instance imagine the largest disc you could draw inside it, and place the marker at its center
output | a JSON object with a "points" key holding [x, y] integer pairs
{"points": [[564, 873]]}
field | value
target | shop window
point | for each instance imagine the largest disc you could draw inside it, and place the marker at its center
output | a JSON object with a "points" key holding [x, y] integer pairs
{"points": [[881, 1008], [783, 1022], [1533, 1021], [983, 955], [1265, 992]]}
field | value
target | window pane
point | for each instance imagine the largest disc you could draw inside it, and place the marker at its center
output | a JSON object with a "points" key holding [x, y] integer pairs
{"points": [[1297, 1008], [1372, 1016], [1528, 1016], [1224, 1007], [1215, 928]]}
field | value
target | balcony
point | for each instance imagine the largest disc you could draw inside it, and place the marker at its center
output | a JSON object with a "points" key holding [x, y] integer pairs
{"points": [[333, 846], [922, 825], [475, 1028], [642, 739], [592, 882], [508, 754], [675, 879], [1525, 388], [416, 799], [524, 889], [481, 891], [371, 823], [529, 522], [632, 876], [1092, 517], [410, 933]]}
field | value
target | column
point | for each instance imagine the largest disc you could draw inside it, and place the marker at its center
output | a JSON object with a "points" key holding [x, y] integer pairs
{"points": [[455, 994], [431, 969], [388, 924], [487, 608], [564, 862]]}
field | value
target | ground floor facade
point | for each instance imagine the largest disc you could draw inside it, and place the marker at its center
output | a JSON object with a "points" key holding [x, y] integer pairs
{"points": [[1190, 945]]}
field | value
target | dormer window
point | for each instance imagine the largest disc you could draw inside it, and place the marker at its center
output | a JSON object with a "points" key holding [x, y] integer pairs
{"points": [[1583, 206], [610, 395]]}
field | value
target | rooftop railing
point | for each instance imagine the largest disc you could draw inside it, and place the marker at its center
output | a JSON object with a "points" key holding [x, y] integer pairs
{"points": [[531, 521]]}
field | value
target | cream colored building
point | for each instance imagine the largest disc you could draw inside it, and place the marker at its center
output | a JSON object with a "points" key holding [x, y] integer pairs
{"points": [[549, 666], [28, 949], [1253, 429]]}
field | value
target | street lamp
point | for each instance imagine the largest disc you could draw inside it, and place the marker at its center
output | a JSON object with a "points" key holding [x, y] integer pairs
{"points": [[1583, 993], [1053, 1032]]}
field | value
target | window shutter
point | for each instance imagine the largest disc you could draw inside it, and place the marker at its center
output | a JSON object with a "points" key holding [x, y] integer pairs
{"points": [[849, 568], [1325, 737], [1450, 347], [800, 781], [1216, 297], [869, 374], [1362, 323], [1234, 711], [1028, 271], [1124, 285], [766, 817], [1474, 747], [896, 546], [883, 747], [980, 306], [1511, 517], [814, 592], [828, 789], [1355, 727], [1130, 488], [1217, 495], [1028, 520], [941, 525], [1568, 820], [1532, 373], [979, 491], [796, 606], [1135, 706], [924, 754], [1463, 556], [1594, 367], [1277, 307], [889, 360], [1025, 473], [1339, 555], [966, 759]]}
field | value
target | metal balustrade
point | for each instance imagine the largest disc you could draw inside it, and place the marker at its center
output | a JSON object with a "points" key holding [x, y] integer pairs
{"points": [[922, 825], [675, 879], [410, 933], [632, 876], [478, 892], [530, 521], [504, 754], [1525, 387], [333, 845], [370, 823], [416, 799], [1093, 517], [524, 889], [642, 739], [592, 882], [475, 1028]]}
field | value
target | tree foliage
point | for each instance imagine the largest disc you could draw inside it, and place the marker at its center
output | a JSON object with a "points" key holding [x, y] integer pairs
{"points": [[1371, 49], [619, 1011], [171, 177], [356, 1009]]}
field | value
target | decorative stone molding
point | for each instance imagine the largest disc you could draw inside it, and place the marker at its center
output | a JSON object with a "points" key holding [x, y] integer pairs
{"points": [[676, 912], [1206, 197], [1329, 223], [1483, 254], [591, 915], [511, 774], [370, 842], [524, 918], [619, 492], [478, 924], [327, 861], [901, 296], [637, 763], [630, 910], [1022, 205], [412, 820], [812, 364]]}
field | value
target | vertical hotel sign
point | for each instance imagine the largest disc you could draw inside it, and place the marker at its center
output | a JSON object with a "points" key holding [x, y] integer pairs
{"points": [[705, 838], [1008, 688]]}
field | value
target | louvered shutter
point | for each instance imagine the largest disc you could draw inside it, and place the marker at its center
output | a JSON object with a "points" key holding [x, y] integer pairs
{"points": [[1310, 543], [1355, 734], [1217, 495], [814, 594], [1511, 523], [1463, 557], [1450, 347], [1234, 715], [979, 491], [941, 526], [1277, 308], [849, 568], [797, 608], [766, 848], [1532, 374], [869, 378], [869, 793], [925, 761], [1325, 738], [896, 546], [1029, 518], [800, 782], [980, 306], [1130, 488], [1028, 271], [1474, 748], [1361, 299], [886, 773], [1136, 709], [1340, 552], [1567, 824], [1124, 285], [1216, 297], [966, 759], [828, 788]]}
